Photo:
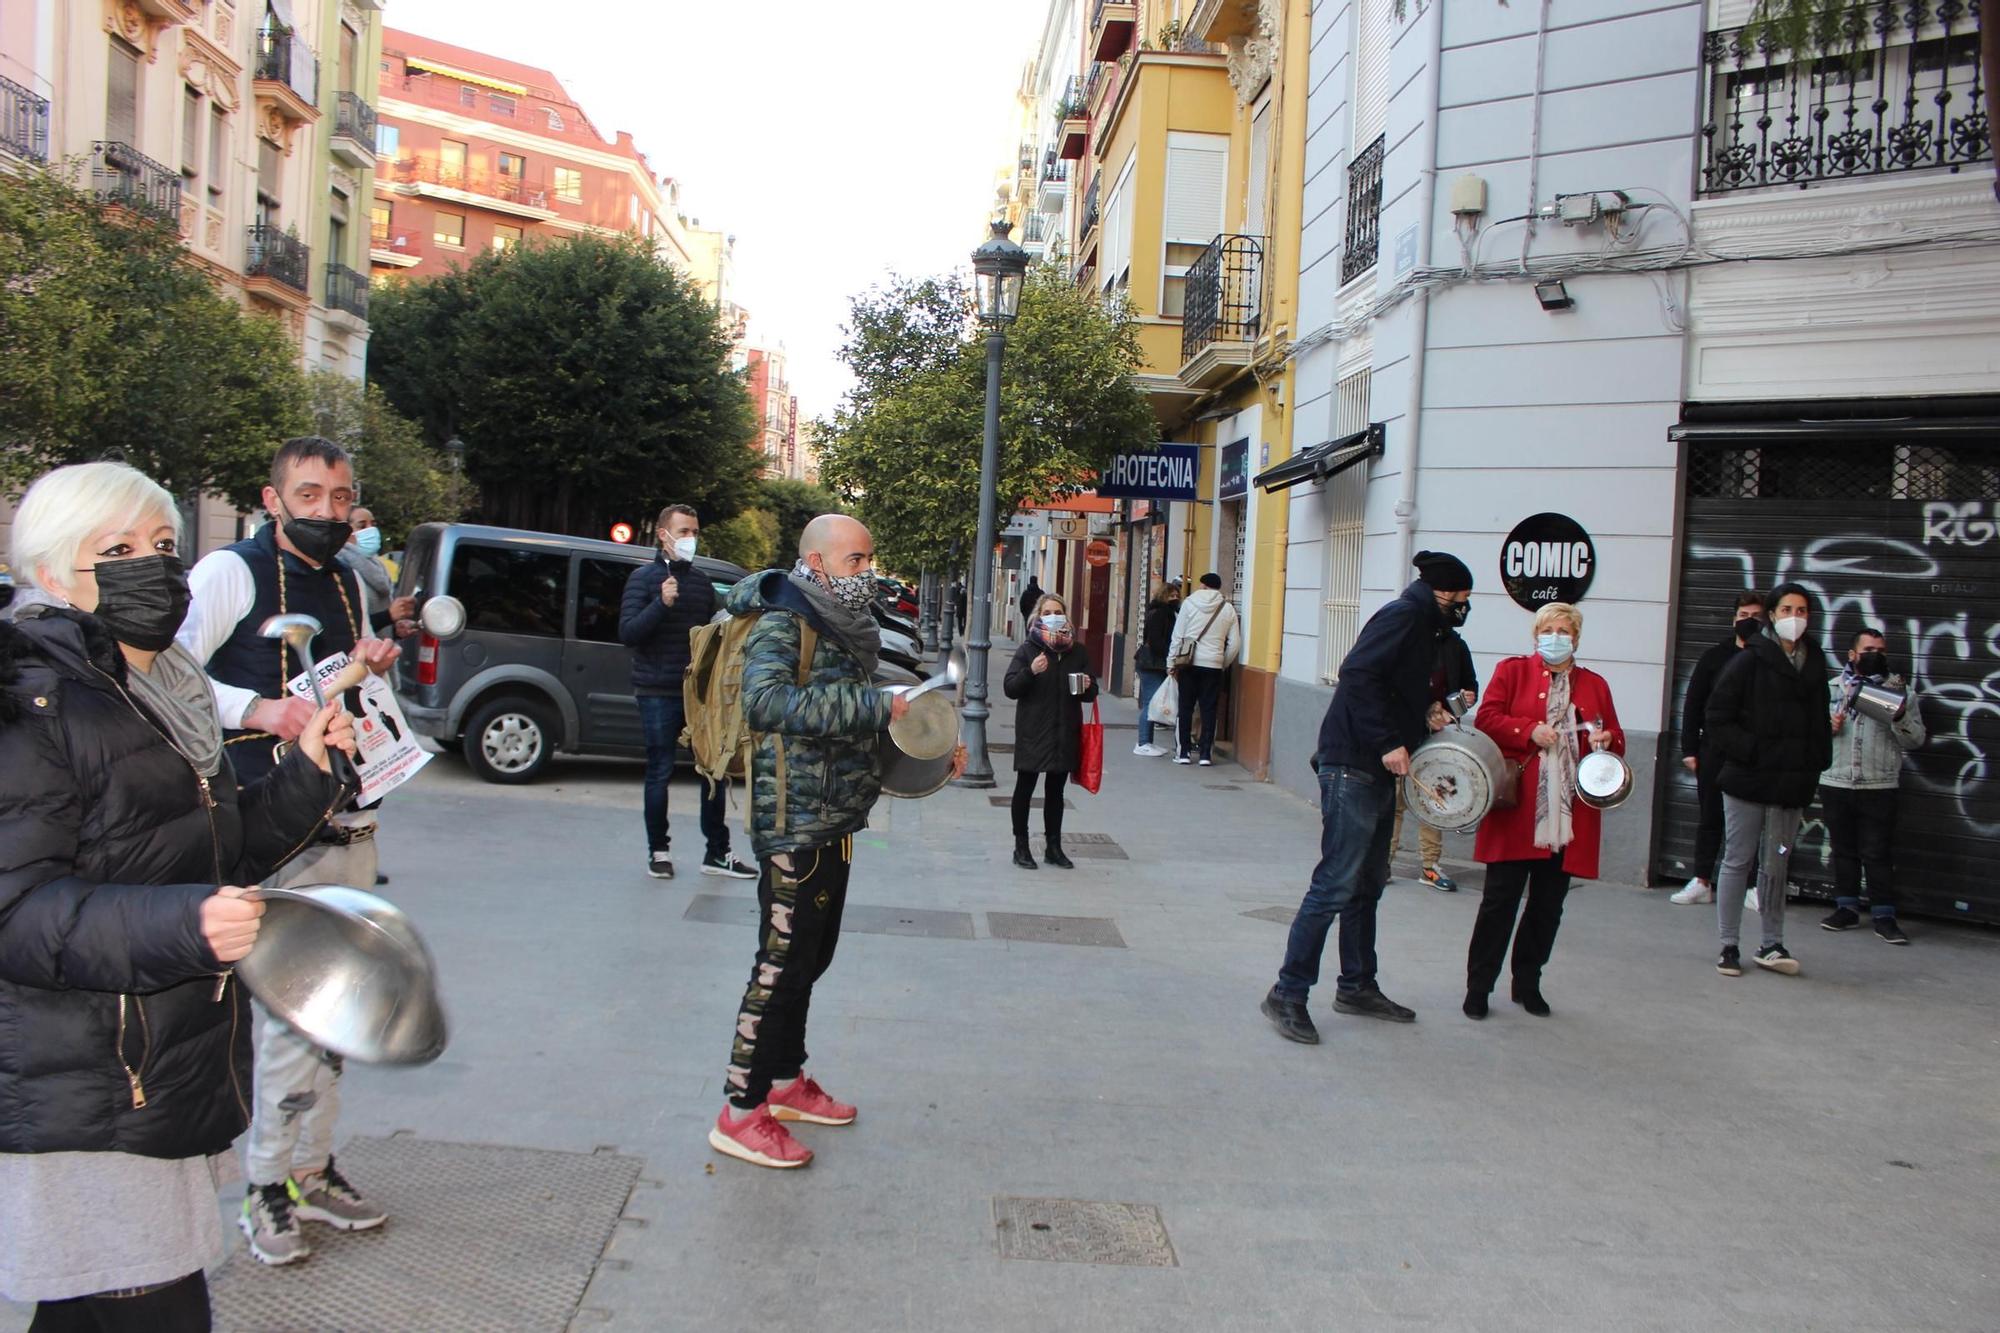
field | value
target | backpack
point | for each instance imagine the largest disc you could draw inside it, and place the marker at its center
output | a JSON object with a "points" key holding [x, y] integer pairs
{"points": [[712, 696]]}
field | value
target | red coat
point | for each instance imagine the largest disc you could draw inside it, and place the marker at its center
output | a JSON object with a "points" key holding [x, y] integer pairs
{"points": [[1516, 702]]}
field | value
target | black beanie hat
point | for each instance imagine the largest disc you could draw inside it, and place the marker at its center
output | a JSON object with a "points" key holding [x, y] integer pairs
{"points": [[1443, 572], [1211, 581]]}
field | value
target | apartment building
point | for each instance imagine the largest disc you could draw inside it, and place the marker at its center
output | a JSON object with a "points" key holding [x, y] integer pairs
{"points": [[776, 409]]}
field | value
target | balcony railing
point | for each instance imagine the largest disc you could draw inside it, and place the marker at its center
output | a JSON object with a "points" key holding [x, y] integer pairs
{"points": [[346, 290], [122, 175], [1891, 87], [283, 58], [1090, 206], [24, 122], [1225, 294], [274, 255], [355, 119], [1054, 168], [472, 180], [1036, 230], [1364, 211], [1070, 107]]}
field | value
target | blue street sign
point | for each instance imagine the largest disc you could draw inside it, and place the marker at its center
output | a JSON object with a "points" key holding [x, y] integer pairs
{"points": [[1164, 472]]}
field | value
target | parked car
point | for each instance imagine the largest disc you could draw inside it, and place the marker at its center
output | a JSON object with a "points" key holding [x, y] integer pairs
{"points": [[539, 669]]}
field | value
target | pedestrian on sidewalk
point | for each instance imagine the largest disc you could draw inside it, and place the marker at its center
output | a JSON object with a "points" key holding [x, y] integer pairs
{"points": [[291, 565], [1031, 597], [815, 773], [1455, 675], [1050, 682], [1207, 638], [664, 602], [1767, 720], [1154, 641], [1381, 709], [124, 846], [1748, 623], [1857, 793], [1537, 708]]}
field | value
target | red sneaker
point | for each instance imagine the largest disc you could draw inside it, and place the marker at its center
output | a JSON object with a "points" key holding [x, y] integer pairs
{"points": [[758, 1138], [806, 1100]]}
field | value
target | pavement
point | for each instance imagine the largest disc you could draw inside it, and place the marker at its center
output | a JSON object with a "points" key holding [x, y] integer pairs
{"points": [[1671, 1150]]}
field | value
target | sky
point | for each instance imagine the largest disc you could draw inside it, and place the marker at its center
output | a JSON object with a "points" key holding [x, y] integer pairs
{"points": [[838, 142]]}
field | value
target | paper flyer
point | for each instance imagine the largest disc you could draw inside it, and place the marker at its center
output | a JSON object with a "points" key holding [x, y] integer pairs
{"points": [[386, 751]]}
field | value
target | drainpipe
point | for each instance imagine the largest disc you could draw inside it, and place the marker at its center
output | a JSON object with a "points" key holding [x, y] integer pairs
{"points": [[1413, 411]]}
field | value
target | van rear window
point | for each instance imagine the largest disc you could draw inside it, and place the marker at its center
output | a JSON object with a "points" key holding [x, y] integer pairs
{"points": [[510, 591]]}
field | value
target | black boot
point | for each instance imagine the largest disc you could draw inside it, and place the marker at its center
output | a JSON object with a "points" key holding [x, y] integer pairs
{"points": [[1529, 996], [1054, 855], [1021, 857]]}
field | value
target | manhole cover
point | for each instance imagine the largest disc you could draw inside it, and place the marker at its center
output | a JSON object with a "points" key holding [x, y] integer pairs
{"points": [[1098, 931], [1282, 915], [858, 918], [478, 1238], [1082, 1231], [1097, 846], [1034, 802]]}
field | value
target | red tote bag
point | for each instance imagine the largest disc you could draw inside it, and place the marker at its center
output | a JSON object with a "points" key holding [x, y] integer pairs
{"points": [[1090, 753]]}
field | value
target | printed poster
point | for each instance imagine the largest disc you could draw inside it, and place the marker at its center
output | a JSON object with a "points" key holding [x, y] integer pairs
{"points": [[386, 751]]}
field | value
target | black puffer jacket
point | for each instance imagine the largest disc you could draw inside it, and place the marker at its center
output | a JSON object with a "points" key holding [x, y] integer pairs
{"points": [[119, 1030], [1157, 635], [1768, 722], [1048, 721], [657, 633]]}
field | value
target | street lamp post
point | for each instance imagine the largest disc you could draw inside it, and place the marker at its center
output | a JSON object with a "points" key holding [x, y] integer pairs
{"points": [[998, 267], [454, 449]]}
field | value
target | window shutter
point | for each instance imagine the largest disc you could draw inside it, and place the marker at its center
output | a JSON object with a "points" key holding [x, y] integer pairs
{"points": [[1197, 174], [1371, 69]]}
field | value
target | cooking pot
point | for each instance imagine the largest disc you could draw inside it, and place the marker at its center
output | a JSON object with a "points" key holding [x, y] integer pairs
{"points": [[1603, 780], [1885, 703], [917, 748], [348, 971], [1456, 778]]}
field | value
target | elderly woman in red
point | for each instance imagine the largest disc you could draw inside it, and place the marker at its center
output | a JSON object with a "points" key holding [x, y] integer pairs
{"points": [[1543, 710]]}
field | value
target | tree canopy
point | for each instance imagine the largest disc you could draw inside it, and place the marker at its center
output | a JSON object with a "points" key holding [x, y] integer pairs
{"points": [[590, 382], [402, 480], [794, 504], [903, 449], [115, 344]]}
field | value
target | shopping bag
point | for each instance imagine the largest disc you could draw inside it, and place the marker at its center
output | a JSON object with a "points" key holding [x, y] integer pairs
{"points": [[1165, 710], [1090, 753]]}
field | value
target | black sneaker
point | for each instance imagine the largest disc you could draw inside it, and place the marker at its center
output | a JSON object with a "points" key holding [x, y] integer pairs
{"points": [[1730, 964], [1842, 918], [727, 865], [1889, 932], [659, 867], [1774, 958], [1290, 1018], [1372, 1003]]}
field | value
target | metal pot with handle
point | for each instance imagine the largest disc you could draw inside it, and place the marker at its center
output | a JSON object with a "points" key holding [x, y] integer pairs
{"points": [[1603, 780], [1457, 777]]}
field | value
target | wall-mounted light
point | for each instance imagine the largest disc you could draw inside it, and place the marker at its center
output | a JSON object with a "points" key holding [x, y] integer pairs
{"points": [[1553, 295]]}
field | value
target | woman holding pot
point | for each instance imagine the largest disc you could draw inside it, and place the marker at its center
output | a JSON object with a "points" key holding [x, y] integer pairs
{"points": [[1049, 683], [1545, 712], [124, 1036]]}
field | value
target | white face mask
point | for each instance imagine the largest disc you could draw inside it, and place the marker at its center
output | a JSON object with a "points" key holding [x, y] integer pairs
{"points": [[1789, 628], [684, 548]]}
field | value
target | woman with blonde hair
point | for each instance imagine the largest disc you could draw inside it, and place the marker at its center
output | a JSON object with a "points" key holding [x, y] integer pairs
{"points": [[1048, 724], [1543, 710], [124, 840]]}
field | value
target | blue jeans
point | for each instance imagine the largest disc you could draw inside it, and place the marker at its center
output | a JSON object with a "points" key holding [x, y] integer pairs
{"points": [[1149, 685], [662, 717], [1357, 809]]}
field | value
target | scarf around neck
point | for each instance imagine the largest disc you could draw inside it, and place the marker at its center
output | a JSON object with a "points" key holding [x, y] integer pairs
{"points": [[176, 692], [1557, 788], [856, 630]]}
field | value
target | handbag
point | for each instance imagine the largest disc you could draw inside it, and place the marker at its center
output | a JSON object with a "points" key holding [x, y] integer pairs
{"points": [[1187, 658], [1507, 792], [1090, 753]]}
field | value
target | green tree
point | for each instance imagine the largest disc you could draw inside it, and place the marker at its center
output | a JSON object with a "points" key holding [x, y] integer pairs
{"points": [[903, 449], [589, 380], [750, 539], [114, 344], [402, 480], [794, 504]]}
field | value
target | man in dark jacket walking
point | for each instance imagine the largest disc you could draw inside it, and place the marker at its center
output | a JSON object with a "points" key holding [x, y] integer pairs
{"points": [[663, 603], [1769, 725], [1381, 710], [1747, 624]]}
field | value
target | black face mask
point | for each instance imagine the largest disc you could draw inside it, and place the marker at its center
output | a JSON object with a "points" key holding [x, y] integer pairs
{"points": [[1749, 627], [143, 601], [1454, 613], [317, 539], [1872, 663]]}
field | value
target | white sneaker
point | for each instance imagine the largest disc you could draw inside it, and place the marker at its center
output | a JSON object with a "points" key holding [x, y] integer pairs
{"points": [[1695, 892], [1750, 900], [1148, 751], [1183, 759]]}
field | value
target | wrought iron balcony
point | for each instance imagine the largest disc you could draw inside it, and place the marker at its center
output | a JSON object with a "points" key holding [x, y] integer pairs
{"points": [[1884, 88], [283, 58], [346, 290], [1054, 168], [1070, 107], [121, 174], [24, 122], [354, 123], [1090, 206], [281, 258], [1112, 23], [1364, 211], [1225, 294], [518, 191], [1035, 231]]}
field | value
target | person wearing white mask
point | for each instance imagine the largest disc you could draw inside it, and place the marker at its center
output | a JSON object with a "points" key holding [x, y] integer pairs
{"points": [[387, 613], [664, 601], [1767, 722]]}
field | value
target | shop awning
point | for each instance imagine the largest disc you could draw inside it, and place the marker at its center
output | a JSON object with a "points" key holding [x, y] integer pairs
{"points": [[465, 75], [1324, 460]]}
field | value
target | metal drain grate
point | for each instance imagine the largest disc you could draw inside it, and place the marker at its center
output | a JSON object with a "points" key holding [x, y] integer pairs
{"points": [[1096, 931], [478, 1238], [857, 918], [1282, 915], [1220, 786], [1094, 846], [1082, 1231], [1034, 802]]}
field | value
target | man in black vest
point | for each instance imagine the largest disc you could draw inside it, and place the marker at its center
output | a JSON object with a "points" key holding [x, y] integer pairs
{"points": [[290, 565]]}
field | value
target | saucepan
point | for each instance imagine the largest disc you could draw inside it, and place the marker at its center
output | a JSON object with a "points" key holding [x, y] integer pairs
{"points": [[1456, 778], [1603, 779], [347, 970]]}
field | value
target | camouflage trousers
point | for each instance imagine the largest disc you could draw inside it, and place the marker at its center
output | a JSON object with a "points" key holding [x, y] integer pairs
{"points": [[800, 896]]}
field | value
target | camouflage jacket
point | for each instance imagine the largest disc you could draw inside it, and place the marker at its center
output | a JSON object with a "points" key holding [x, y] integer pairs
{"points": [[814, 766]]}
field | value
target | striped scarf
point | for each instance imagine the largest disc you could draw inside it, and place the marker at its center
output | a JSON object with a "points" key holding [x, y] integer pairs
{"points": [[1557, 788]]}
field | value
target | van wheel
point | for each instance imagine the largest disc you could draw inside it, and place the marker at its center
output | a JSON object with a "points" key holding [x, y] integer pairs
{"points": [[510, 740]]}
